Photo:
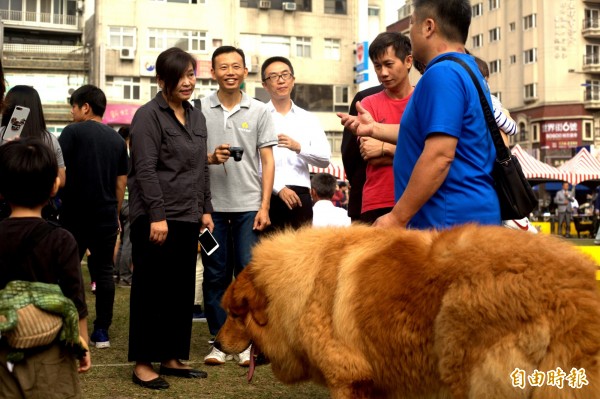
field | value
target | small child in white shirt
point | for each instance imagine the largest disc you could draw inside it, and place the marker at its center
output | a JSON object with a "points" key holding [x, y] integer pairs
{"points": [[323, 186]]}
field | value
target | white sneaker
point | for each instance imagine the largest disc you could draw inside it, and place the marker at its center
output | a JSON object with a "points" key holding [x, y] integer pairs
{"points": [[216, 357], [244, 357]]}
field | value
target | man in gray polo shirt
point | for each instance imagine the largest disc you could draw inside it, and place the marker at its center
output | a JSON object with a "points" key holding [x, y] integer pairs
{"points": [[241, 188]]}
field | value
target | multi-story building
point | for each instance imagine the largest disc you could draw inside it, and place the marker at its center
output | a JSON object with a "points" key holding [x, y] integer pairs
{"points": [[43, 47], [544, 61], [319, 37]]}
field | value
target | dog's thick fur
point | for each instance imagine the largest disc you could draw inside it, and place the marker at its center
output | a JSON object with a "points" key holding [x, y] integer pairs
{"points": [[372, 312]]}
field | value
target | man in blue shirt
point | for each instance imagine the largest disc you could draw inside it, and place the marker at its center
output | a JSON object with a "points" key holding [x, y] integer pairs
{"points": [[445, 154]]}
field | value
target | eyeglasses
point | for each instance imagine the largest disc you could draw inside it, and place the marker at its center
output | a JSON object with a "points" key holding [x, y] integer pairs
{"points": [[275, 77]]}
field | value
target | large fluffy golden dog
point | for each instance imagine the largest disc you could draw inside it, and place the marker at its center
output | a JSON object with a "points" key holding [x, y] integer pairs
{"points": [[470, 312]]}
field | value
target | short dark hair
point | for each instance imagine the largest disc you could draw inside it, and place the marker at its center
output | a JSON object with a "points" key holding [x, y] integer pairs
{"points": [[324, 185], [171, 64], [483, 67], [91, 95], [225, 50], [453, 17], [26, 96], [28, 170], [124, 132], [271, 60], [399, 42]]}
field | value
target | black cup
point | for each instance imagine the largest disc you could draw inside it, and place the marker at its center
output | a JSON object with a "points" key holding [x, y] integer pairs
{"points": [[236, 153]]}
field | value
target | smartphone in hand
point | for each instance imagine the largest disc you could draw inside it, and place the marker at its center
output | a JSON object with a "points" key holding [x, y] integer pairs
{"points": [[208, 242], [16, 123]]}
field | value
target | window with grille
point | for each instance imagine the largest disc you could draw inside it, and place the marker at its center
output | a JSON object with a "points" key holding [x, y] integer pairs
{"points": [[478, 40], [529, 22], [121, 37], [494, 35], [530, 56]]}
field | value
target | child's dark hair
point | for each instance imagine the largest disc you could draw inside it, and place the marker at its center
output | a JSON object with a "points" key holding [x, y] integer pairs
{"points": [[324, 185], [91, 95], [28, 170]]}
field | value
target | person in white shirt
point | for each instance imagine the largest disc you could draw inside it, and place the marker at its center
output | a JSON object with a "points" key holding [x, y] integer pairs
{"points": [[323, 187], [301, 142]]}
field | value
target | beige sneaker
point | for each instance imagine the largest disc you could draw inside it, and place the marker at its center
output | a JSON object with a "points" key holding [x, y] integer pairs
{"points": [[244, 357], [216, 357]]}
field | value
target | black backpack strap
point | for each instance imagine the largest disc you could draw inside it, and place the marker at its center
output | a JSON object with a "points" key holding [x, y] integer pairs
{"points": [[502, 152]]}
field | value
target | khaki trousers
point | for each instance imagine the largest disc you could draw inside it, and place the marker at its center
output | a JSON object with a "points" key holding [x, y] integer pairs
{"points": [[46, 374]]}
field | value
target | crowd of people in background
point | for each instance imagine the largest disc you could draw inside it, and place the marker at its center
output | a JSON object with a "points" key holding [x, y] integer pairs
{"points": [[136, 200]]}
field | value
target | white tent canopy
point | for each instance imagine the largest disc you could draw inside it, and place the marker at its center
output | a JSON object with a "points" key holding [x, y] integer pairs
{"points": [[582, 167], [538, 170]]}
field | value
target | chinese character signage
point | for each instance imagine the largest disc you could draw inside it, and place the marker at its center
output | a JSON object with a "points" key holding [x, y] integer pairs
{"points": [[561, 134]]}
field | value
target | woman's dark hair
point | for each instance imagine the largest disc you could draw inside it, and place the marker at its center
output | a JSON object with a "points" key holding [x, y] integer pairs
{"points": [[28, 170], [27, 96], [2, 86], [171, 64]]}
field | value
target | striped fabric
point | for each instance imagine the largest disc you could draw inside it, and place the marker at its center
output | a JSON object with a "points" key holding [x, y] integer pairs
{"points": [[538, 170], [332, 169], [582, 167]]}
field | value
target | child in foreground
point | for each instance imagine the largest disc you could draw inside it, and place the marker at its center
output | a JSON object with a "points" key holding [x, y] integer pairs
{"points": [[28, 178]]}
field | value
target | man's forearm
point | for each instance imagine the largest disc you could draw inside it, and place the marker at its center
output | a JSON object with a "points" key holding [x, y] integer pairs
{"points": [[427, 177], [385, 132], [268, 176]]}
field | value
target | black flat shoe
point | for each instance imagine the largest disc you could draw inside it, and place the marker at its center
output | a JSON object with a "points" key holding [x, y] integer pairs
{"points": [[157, 383], [183, 373]]}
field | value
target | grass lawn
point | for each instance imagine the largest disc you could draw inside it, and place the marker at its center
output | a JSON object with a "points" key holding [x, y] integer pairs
{"points": [[110, 376]]}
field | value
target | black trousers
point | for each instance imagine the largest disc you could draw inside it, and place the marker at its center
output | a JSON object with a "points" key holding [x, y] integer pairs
{"points": [[371, 216], [100, 240], [281, 216], [162, 292]]}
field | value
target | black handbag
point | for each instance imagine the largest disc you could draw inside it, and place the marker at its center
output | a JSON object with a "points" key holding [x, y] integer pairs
{"points": [[515, 195]]}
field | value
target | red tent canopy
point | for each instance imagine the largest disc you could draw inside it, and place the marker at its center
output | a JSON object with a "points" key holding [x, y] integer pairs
{"points": [[582, 167], [538, 170]]}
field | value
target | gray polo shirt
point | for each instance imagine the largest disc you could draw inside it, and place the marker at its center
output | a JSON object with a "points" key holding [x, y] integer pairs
{"points": [[236, 186]]}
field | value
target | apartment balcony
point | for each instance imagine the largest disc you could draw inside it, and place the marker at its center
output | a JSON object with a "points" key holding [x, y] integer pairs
{"points": [[591, 98], [591, 28], [47, 21], [45, 57], [591, 63]]}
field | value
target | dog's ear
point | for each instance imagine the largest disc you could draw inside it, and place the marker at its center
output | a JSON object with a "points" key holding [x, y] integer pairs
{"points": [[245, 298]]}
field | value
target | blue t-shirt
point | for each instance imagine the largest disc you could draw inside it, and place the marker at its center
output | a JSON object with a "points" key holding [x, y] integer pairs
{"points": [[446, 101]]}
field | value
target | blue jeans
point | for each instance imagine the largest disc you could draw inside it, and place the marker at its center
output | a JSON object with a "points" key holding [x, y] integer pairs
{"points": [[216, 276]]}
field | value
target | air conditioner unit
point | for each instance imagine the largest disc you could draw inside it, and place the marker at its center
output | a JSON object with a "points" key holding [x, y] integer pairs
{"points": [[288, 6], [127, 53], [264, 4]]}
